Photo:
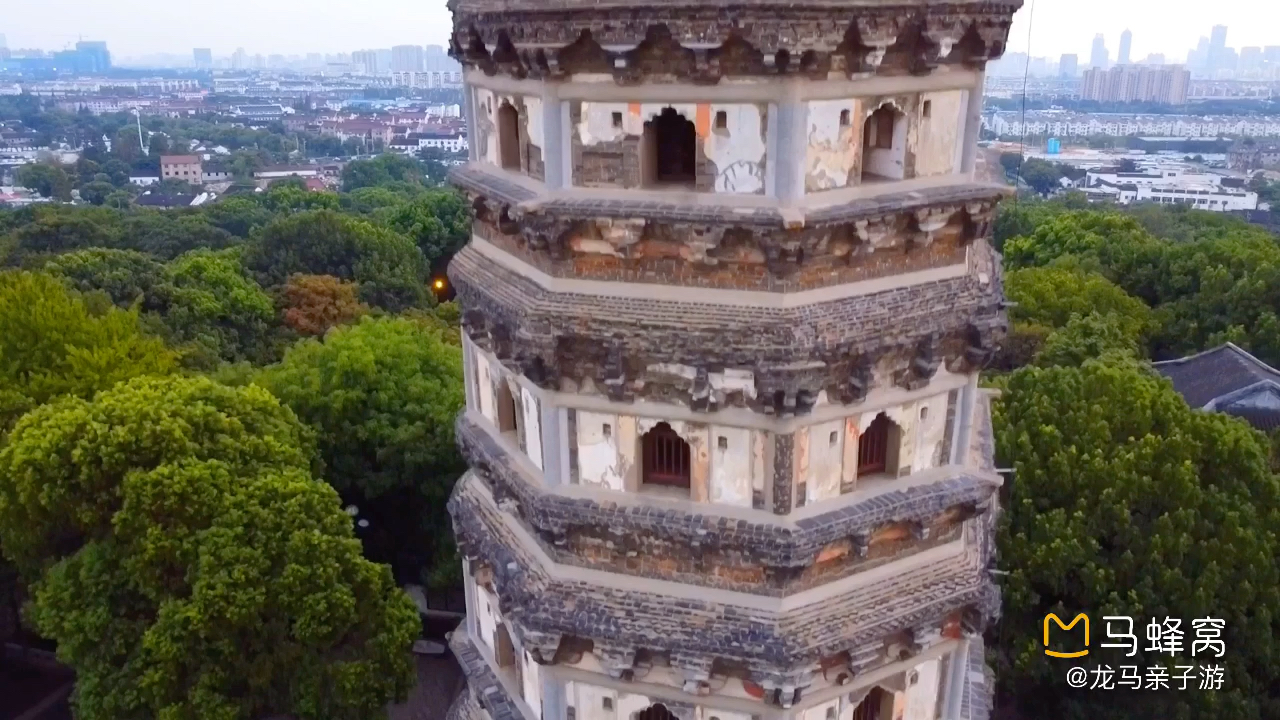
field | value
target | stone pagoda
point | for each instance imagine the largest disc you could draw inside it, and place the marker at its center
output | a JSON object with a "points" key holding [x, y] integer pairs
{"points": [[728, 293]]}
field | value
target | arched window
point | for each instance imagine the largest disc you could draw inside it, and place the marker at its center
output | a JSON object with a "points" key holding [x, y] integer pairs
{"points": [[509, 136], [506, 408], [872, 706], [657, 711], [670, 150], [666, 457], [875, 447], [884, 145]]}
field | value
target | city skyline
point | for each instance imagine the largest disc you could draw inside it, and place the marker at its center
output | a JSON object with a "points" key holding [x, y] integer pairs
{"points": [[292, 27]]}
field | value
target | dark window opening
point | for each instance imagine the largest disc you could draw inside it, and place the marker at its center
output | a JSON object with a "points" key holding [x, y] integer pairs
{"points": [[671, 150], [871, 706], [880, 128], [509, 136], [657, 711], [927, 110], [722, 120], [844, 118], [504, 650], [666, 457], [506, 408], [617, 120], [873, 446]]}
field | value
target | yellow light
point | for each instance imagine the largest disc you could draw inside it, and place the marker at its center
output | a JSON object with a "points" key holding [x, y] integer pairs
{"points": [[439, 284]]}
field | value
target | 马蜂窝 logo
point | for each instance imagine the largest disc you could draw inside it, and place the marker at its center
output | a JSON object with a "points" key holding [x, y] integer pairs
{"points": [[1066, 628]]}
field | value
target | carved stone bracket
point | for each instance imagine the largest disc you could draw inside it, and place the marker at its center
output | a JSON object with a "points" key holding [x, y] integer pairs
{"points": [[617, 660], [888, 40]]}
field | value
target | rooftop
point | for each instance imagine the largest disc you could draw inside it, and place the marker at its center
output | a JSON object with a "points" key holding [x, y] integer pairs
{"points": [[179, 159], [1219, 378]]}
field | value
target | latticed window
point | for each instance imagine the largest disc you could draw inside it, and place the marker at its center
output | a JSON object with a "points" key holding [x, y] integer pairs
{"points": [[665, 457], [873, 446]]}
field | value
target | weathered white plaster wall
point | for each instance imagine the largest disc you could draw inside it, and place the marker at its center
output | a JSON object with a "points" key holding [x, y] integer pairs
{"points": [[600, 463], [825, 711], [487, 615], [930, 428], [738, 150], [486, 123], [826, 460], [589, 701], [531, 678], [484, 379], [937, 135], [596, 125], [922, 698], [731, 466], [533, 123], [705, 713], [889, 163], [832, 157], [532, 426]]}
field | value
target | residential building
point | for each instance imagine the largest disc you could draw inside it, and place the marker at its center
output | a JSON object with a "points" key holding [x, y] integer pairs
{"points": [[365, 62], [1069, 66], [271, 173], [1228, 380], [215, 173], [203, 58], [729, 453], [406, 59], [1217, 58], [1247, 157], [1099, 57], [1126, 45], [181, 167], [1060, 123], [1166, 84]]}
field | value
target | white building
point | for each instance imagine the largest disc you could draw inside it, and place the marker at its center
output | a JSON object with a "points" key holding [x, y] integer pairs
{"points": [[1203, 191]]}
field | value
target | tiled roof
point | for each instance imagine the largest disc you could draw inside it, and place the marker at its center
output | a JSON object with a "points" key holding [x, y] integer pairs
{"points": [[1207, 376]]}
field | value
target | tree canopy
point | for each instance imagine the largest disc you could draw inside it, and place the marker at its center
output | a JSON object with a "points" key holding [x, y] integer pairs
{"points": [[1124, 501], [382, 396], [188, 565]]}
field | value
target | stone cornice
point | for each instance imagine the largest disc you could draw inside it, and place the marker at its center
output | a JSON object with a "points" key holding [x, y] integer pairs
{"points": [[704, 43]]}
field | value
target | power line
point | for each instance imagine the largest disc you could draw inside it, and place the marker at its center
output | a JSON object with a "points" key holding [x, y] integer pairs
{"points": [[1026, 72]]}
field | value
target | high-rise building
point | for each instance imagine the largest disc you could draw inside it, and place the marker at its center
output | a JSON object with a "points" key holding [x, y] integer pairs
{"points": [[1069, 65], [1217, 48], [239, 60], [365, 62], [729, 454], [1198, 59], [1250, 59], [1154, 59], [3, 43], [203, 58], [1099, 57], [94, 56], [406, 58], [1167, 84], [1271, 54], [1126, 45]]}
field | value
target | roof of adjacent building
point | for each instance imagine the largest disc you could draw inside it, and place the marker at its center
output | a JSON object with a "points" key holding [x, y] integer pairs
{"points": [[1219, 376], [179, 159]]}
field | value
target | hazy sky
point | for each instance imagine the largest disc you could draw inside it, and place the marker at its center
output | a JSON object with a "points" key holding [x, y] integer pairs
{"points": [[136, 27]]}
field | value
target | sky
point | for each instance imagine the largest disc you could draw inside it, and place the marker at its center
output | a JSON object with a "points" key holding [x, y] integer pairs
{"points": [[296, 27]]}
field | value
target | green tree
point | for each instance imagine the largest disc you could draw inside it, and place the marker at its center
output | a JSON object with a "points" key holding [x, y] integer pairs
{"points": [[126, 276], [1085, 337], [438, 221], [1050, 296], [187, 564], [380, 171], [167, 235], [215, 307], [382, 396], [50, 181], [52, 345], [1124, 501], [237, 215], [52, 229], [389, 268], [96, 192]]}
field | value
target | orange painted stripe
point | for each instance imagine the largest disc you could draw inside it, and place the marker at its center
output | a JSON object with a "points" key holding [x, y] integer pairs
{"points": [[633, 109], [702, 122]]}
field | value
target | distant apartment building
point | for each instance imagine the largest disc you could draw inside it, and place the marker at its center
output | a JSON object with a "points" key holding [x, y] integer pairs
{"points": [[215, 173], [406, 59], [365, 62], [1057, 123], [203, 58], [186, 168], [1069, 66], [1248, 157], [1167, 84]]}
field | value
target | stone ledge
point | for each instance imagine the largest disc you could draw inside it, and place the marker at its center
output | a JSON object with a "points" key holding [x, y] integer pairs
{"points": [[572, 342], [542, 610], [485, 695], [785, 549]]}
